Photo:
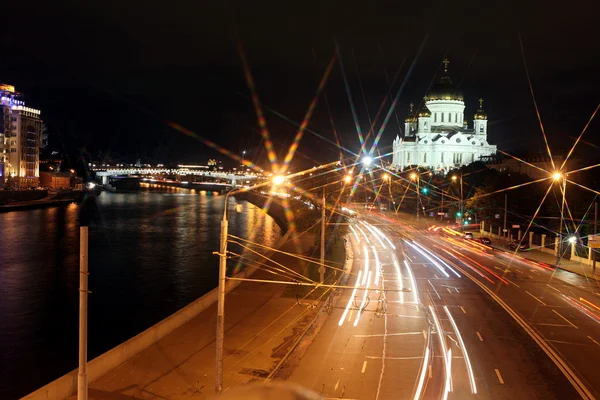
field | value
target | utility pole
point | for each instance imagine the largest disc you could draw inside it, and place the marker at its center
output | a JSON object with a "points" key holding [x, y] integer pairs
{"points": [[221, 301], [595, 233], [462, 211], [418, 196], [505, 206], [560, 226], [82, 383], [322, 266], [442, 205]]}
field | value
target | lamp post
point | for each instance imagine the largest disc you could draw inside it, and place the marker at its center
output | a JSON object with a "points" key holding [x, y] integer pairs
{"points": [[243, 156], [277, 180], [558, 177], [415, 177], [454, 178]]}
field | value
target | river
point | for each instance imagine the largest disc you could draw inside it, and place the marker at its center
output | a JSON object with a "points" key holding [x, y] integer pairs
{"points": [[150, 254]]}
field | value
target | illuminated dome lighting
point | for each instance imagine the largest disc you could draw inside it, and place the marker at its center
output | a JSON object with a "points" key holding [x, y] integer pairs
{"points": [[444, 90]]}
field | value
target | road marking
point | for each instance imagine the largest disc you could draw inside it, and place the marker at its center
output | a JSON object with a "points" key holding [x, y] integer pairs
{"points": [[499, 376], [512, 283], [350, 314], [552, 287], [589, 337], [570, 323], [430, 372], [449, 291], [424, 334], [498, 268], [395, 358], [336, 385], [435, 276], [479, 336], [389, 334], [519, 271], [364, 367], [536, 298], [540, 324], [463, 310]]}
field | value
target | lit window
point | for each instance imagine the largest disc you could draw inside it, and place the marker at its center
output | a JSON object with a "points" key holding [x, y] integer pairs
{"points": [[480, 128]]}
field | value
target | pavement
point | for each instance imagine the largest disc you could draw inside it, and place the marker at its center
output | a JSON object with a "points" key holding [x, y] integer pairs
{"points": [[262, 321]]}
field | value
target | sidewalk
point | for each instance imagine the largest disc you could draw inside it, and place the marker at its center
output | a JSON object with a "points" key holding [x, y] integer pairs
{"points": [[262, 320], [546, 258]]}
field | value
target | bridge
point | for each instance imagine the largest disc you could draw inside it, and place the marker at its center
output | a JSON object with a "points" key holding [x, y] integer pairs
{"points": [[105, 172]]}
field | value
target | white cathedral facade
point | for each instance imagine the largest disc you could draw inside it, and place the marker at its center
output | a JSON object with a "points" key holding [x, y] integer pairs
{"points": [[438, 137]]}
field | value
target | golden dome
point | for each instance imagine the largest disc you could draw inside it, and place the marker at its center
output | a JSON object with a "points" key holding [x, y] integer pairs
{"points": [[444, 90], [424, 112]]}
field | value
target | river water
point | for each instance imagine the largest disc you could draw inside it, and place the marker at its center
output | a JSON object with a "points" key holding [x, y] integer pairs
{"points": [[150, 254]]}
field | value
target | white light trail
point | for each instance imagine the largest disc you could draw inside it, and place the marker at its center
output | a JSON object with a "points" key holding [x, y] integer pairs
{"points": [[377, 266], [464, 351], [413, 283], [366, 251], [383, 236], [355, 234], [363, 233], [374, 233], [448, 387], [364, 300], [422, 375], [445, 264], [399, 275], [351, 299], [440, 332], [435, 264]]}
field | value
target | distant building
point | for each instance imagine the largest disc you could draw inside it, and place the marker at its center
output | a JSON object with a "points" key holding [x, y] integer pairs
{"points": [[55, 180], [20, 139], [438, 136]]}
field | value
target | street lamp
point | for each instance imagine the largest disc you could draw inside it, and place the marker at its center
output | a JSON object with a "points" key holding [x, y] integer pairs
{"points": [[454, 179], [386, 177], [347, 178], [243, 155], [367, 161], [276, 180], [415, 177], [558, 177]]}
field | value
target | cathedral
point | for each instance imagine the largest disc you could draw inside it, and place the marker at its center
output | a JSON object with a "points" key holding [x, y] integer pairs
{"points": [[438, 137]]}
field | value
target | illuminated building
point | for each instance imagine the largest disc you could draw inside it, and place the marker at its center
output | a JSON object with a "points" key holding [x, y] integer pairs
{"points": [[20, 135], [438, 137]]}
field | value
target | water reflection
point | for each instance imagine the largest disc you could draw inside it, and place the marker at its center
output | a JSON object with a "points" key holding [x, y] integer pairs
{"points": [[150, 254]]}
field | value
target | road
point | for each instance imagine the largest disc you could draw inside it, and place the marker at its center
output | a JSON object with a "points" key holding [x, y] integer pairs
{"points": [[472, 323]]}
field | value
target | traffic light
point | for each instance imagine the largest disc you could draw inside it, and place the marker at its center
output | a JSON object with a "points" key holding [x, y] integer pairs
{"points": [[425, 190], [458, 214]]}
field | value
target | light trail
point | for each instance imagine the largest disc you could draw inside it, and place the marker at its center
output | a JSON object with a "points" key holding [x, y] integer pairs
{"points": [[399, 276], [424, 367], [385, 237], [415, 290], [470, 266], [363, 233], [435, 264], [374, 233], [440, 332], [463, 348], [377, 266], [345, 313], [448, 386], [489, 271], [355, 234], [366, 251], [364, 300], [439, 259]]}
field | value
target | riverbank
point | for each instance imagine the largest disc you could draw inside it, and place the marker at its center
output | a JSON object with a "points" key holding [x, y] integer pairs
{"points": [[20, 200]]}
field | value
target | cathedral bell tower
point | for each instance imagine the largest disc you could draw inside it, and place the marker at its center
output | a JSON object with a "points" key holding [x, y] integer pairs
{"points": [[480, 120], [410, 122]]}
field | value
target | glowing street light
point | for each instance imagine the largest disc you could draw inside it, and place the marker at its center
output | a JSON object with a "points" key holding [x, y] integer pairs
{"points": [[571, 239], [557, 176], [413, 176], [386, 177], [347, 178], [278, 180], [367, 161]]}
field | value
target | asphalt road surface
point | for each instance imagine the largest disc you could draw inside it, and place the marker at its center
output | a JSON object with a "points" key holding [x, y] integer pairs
{"points": [[434, 316]]}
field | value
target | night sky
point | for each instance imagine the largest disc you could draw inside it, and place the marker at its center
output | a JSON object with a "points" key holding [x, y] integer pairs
{"points": [[107, 75]]}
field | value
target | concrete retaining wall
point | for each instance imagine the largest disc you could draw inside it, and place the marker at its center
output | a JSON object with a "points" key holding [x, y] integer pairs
{"points": [[276, 209], [66, 386], [22, 195]]}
